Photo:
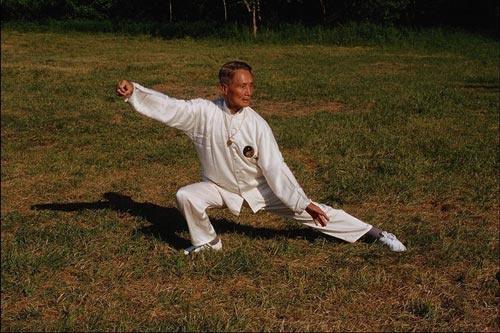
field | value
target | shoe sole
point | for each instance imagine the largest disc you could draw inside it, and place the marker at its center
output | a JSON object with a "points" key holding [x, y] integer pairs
{"points": [[204, 247]]}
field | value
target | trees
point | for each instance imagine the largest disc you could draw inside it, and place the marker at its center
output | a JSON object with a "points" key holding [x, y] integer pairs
{"points": [[171, 15], [258, 13], [225, 10], [253, 7]]}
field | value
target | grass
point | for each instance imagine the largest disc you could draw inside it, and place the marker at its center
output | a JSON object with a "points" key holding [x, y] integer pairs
{"points": [[402, 136], [345, 34]]}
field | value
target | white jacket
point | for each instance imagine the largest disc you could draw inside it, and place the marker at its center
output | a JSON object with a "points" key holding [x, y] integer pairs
{"points": [[207, 123]]}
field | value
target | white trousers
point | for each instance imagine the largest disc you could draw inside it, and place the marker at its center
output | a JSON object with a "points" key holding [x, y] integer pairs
{"points": [[193, 201]]}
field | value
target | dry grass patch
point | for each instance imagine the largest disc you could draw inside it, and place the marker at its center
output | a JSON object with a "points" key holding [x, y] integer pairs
{"points": [[187, 91], [264, 108], [64, 68], [299, 109]]}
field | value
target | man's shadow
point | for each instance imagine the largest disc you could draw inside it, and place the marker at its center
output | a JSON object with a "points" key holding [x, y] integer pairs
{"points": [[167, 222]]}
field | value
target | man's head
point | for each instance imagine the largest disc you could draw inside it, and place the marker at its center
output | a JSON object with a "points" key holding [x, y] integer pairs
{"points": [[236, 81]]}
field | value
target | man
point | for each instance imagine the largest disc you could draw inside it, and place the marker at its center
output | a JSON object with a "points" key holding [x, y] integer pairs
{"points": [[241, 162]]}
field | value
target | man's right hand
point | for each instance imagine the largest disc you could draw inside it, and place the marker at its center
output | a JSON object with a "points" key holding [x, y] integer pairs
{"points": [[124, 89]]}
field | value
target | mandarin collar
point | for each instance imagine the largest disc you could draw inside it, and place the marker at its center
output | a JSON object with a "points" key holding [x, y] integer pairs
{"points": [[226, 109]]}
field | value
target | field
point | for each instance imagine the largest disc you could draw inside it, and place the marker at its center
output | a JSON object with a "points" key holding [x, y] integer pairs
{"points": [[402, 136]]}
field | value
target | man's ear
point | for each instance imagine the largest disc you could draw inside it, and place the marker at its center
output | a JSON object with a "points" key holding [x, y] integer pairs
{"points": [[223, 89]]}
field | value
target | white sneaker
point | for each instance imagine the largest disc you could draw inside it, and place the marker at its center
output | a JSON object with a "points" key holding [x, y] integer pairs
{"points": [[207, 246], [392, 242]]}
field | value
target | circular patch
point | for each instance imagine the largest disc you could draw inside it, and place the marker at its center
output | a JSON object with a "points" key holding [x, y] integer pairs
{"points": [[248, 151]]}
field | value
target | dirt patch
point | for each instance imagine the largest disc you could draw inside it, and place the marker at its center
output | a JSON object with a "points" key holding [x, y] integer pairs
{"points": [[44, 67], [385, 68], [264, 108], [187, 92], [290, 109]]}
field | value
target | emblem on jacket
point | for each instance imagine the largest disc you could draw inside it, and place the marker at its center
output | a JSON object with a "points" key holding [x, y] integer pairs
{"points": [[248, 151]]}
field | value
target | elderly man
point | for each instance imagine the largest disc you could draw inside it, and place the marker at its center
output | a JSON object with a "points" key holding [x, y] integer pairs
{"points": [[241, 162]]}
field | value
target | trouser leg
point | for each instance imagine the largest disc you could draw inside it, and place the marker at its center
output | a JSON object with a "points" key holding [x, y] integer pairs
{"points": [[374, 233], [340, 225], [193, 201]]}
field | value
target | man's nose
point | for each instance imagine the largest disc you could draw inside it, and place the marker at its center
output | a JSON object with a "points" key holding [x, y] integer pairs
{"points": [[248, 91]]}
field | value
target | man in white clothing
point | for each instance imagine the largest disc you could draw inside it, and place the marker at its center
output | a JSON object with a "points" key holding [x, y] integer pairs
{"points": [[240, 161]]}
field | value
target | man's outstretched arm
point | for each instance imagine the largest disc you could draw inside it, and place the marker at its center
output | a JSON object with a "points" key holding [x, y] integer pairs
{"points": [[173, 112]]}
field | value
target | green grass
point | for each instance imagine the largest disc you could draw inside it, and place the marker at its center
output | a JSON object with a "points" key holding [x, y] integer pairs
{"points": [[402, 135]]}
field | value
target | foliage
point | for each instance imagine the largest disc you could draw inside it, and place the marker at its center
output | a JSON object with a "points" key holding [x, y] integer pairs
{"points": [[348, 34], [464, 13]]}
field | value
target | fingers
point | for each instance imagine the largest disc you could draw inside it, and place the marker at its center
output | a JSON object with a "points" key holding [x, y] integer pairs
{"points": [[124, 88], [322, 217], [323, 220], [121, 89], [318, 215]]}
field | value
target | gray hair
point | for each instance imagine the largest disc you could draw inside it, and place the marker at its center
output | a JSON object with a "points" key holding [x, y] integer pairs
{"points": [[227, 70]]}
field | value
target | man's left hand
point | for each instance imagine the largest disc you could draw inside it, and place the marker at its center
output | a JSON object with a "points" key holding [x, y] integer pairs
{"points": [[318, 215]]}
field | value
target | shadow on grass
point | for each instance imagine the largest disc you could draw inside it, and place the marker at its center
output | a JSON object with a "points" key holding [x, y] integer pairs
{"points": [[167, 221]]}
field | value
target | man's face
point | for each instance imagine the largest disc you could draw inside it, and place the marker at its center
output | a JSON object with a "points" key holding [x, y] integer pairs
{"points": [[238, 93]]}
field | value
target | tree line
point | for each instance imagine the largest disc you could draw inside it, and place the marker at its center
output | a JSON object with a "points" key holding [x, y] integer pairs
{"points": [[476, 14]]}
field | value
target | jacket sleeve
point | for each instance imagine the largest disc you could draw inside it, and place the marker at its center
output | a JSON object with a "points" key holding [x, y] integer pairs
{"points": [[173, 112], [277, 174]]}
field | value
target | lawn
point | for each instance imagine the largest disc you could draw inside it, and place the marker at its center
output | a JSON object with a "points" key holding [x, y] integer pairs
{"points": [[402, 136]]}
